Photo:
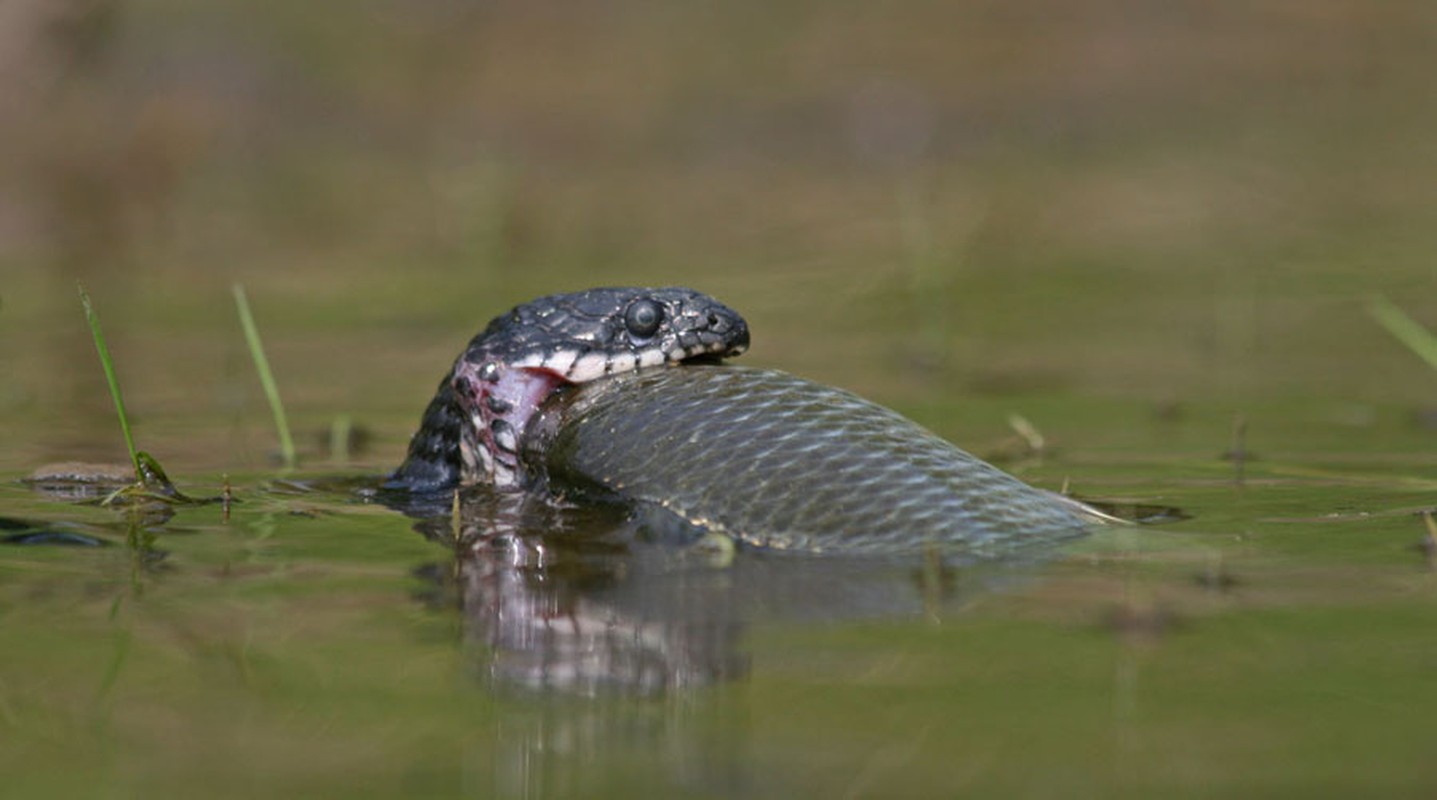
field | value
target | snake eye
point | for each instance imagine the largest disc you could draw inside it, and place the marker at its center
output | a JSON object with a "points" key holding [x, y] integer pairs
{"points": [[643, 317]]}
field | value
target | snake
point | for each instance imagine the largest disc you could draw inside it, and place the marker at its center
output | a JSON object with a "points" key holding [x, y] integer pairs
{"points": [[471, 428], [621, 394]]}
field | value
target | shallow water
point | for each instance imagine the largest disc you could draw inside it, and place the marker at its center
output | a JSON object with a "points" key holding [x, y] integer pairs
{"points": [[316, 641]]}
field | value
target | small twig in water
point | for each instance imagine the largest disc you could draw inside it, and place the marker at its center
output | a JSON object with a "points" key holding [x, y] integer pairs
{"points": [[456, 526], [1238, 454], [935, 579], [266, 377], [1429, 544], [1029, 433]]}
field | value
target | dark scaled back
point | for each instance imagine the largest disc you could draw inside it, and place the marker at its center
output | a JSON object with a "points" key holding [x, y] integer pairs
{"points": [[782, 463]]}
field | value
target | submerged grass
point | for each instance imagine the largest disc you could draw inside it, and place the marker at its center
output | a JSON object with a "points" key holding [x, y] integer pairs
{"points": [[266, 377]]}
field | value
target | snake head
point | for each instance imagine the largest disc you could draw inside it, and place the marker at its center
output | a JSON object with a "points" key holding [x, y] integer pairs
{"points": [[514, 364]]}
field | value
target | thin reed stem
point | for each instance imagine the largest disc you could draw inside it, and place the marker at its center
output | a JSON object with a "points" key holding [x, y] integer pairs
{"points": [[109, 367], [266, 377], [1405, 329]]}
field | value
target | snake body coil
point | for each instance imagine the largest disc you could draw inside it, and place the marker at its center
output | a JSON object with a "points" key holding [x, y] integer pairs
{"points": [[572, 392]]}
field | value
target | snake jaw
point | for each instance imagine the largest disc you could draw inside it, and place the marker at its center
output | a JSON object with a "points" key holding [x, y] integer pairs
{"points": [[579, 366], [498, 400], [473, 427]]}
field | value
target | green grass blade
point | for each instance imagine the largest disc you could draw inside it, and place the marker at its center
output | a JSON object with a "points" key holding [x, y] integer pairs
{"points": [[108, 365], [340, 432], [1405, 329], [266, 378]]}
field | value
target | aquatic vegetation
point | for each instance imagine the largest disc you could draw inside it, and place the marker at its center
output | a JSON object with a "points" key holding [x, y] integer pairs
{"points": [[266, 377], [1406, 330], [151, 482], [114, 383]]}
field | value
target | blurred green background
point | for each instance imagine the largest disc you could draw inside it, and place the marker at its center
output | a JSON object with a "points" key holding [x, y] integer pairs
{"points": [[1163, 202]]}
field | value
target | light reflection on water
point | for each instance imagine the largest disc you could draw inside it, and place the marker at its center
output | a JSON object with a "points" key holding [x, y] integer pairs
{"points": [[537, 649], [586, 599], [606, 639]]}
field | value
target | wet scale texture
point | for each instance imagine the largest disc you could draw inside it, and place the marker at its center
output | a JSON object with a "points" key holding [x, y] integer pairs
{"points": [[780, 462]]}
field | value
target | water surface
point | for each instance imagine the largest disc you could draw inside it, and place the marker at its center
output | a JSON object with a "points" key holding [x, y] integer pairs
{"points": [[316, 640]]}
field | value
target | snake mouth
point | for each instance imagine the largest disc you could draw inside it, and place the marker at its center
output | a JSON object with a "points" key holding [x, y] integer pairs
{"points": [[580, 366], [510, 370], [477, 418], [500, 399]]}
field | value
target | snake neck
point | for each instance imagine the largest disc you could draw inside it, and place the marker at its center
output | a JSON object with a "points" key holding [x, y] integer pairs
{"points": [[497, 400], [434, 461], [471, 428]]}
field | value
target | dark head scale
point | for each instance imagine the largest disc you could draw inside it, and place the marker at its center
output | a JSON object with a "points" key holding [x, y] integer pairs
{"points": [[471, 428]]}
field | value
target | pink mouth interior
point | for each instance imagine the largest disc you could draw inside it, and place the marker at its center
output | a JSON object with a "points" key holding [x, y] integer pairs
{"points": [[524, 389]]}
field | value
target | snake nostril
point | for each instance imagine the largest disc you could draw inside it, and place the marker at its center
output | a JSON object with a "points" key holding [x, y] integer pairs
{"points": [[714, 320]]}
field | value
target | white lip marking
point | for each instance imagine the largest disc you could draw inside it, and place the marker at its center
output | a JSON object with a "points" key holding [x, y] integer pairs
{"points": [[622, 362], [533, 360], [588, 368], [651, 358], [561, 361]]}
